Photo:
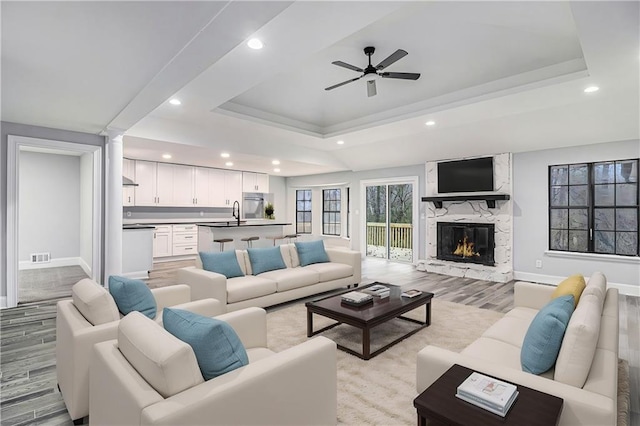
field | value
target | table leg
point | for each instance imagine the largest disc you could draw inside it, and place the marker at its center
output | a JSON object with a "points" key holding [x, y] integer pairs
{"points": [[309, 323], [428, 319], [366, 343]]}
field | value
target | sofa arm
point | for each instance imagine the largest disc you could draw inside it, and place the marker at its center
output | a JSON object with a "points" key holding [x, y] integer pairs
{"points": [[205, 307], [349, 257], [171, 295], [204, 284], [581, 407], [531, 295], [250, 324], [297, 386]]}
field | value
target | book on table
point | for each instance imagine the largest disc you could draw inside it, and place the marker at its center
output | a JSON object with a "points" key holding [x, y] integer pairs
{"points": [[486, 392], [377, 290], [356, 298], [411, 293]]}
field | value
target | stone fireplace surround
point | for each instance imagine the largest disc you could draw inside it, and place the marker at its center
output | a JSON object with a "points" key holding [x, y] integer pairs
{"points": [[473, 211]]}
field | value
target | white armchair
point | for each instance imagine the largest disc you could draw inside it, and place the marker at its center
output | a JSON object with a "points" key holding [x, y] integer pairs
{"points": [[294, 387], [91, 316]]}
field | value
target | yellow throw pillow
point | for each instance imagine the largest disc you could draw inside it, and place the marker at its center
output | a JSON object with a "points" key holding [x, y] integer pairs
{"points": [[572, 285]]}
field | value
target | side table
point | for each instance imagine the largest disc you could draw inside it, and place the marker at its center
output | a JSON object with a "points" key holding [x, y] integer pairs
{"points": [[438, 404]]}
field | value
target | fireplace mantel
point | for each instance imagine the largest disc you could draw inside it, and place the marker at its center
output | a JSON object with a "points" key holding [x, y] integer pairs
{"points": [[490, 199]]}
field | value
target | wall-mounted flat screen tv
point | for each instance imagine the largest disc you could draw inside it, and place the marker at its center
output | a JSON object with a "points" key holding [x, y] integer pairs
{"points": [[474, 175]]}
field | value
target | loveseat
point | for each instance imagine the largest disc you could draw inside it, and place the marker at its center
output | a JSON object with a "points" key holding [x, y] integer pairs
{"points": [[91, 316], [586, 371], [277, 286], [147, 376]]}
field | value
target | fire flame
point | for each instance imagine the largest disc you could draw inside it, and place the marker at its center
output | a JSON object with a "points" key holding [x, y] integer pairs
{"points": [[465, 249]]}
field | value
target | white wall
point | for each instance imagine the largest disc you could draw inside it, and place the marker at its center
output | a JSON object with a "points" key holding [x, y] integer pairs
{"points": [[278, 187], [530, 180], [352, 179], [86, 212], [49, 211]]}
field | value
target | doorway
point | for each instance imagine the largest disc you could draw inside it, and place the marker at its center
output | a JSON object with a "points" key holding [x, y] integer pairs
{"points": [[53, 217], [390, 211]]}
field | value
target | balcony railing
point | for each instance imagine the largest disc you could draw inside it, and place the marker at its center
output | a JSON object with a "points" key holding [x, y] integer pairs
{"points": [[401, 234]]}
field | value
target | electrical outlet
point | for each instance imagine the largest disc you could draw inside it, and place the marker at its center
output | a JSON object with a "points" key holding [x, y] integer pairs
{"points": [[128, 214], [201, 214], [538, 263]]}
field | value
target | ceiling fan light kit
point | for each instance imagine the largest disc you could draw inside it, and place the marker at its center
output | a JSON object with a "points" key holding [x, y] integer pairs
{"points": [[371, 73]]}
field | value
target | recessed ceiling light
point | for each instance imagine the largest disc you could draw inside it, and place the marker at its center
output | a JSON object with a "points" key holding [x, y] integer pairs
{"points": [[591, 89], [430, 123], [276, 170], [228, 163], [166, 156], [175, 101], [275, 162], [255, 44], [225, 155], [340, 142]]}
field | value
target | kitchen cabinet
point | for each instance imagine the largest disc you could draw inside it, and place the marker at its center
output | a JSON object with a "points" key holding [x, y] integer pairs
{"points": [[163, 184], [255, 182], [163, 241], [201, 187], [128, 192], [223, 187], [185, 240]]}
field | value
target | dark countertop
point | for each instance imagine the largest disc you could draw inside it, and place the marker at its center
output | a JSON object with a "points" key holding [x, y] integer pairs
{"points": [[243, 224], [138, 227]]}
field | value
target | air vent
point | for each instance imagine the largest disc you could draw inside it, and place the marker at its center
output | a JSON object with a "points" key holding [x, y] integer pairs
{"points": [[40, 257]]}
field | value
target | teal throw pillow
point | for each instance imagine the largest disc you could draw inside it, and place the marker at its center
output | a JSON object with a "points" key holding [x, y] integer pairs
{"points": [[217, 347], [265, 259], [544, 336], [312, 252], [225, 263], [132, 295]]}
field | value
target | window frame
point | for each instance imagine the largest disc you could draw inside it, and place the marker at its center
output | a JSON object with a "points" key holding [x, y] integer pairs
{"points": [[336, 213], [310, 211], [591, 208]]}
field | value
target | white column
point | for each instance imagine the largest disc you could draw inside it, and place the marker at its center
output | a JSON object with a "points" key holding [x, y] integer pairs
{"points": [[113, 205]]}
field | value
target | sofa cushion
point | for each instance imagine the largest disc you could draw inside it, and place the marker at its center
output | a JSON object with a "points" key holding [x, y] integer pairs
{"points": [[597, 286], [496, 351], [512, 327], [265, 259], [217, 347], [544, 336], [225, 263], [331, 271], [248, 287], [579, 343], [132, 295], [94, 302], [573, 285], [311, 252], [168, 364], [290, 278]]}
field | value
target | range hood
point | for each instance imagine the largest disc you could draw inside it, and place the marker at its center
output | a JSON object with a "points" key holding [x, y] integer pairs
{"points": [[128, 182]]}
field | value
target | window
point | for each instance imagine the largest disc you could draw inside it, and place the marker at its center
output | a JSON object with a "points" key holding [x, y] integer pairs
{"points": [[303, 211], [331, 212], [593, 207]]}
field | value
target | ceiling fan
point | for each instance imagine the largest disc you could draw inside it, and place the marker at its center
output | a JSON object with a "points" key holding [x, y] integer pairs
{"points": [[371, 72]]}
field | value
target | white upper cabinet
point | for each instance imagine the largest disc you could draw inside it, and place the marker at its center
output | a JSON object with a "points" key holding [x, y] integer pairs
{"points": [[145, 192], [201, 194], [233, 186], [182, 186], [217, 197], [128, 192], [255, 182]]}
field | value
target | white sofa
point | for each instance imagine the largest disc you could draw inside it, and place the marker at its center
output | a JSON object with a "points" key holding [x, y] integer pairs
{"points": [[273, 287], [497, 353], [149, 377], [91, 316]]}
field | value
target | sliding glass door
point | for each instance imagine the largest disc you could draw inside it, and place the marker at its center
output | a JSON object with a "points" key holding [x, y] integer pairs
{"points": [[389, 221]]}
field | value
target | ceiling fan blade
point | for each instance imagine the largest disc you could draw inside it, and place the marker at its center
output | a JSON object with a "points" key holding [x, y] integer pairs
{"points": [[343, 83], [395, 56], [402, 75], [348, 66], [371, 88]]}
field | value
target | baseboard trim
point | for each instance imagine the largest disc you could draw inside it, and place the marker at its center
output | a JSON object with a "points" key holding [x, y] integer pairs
{"points": [[54, 263], [85, 267], [3, 302], [137, 275], [629, 290]]}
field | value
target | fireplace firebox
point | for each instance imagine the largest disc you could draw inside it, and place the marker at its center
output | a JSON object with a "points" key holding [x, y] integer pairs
{"points": [[466, 242]]}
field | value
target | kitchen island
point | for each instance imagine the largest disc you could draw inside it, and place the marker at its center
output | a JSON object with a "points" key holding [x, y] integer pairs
{"points": [[263, 229]]}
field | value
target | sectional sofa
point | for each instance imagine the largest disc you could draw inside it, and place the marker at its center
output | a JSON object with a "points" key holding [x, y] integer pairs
{"points": [[277, 286], [586, 371]]}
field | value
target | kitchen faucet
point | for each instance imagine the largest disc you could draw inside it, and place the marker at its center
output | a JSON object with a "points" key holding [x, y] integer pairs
{"points": [[236, 213]]}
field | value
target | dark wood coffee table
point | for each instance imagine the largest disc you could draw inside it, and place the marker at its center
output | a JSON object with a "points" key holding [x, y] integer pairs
{"points": [[367, 317], [438, 404]]}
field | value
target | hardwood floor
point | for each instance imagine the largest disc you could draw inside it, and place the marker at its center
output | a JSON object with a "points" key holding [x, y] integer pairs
{"points": [[28, 392]]}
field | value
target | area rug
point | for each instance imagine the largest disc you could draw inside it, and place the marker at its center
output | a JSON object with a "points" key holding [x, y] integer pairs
{"points": [[381, 391]]}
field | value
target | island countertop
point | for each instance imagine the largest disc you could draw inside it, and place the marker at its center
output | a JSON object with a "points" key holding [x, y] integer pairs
{"points": [[243, 224]]}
